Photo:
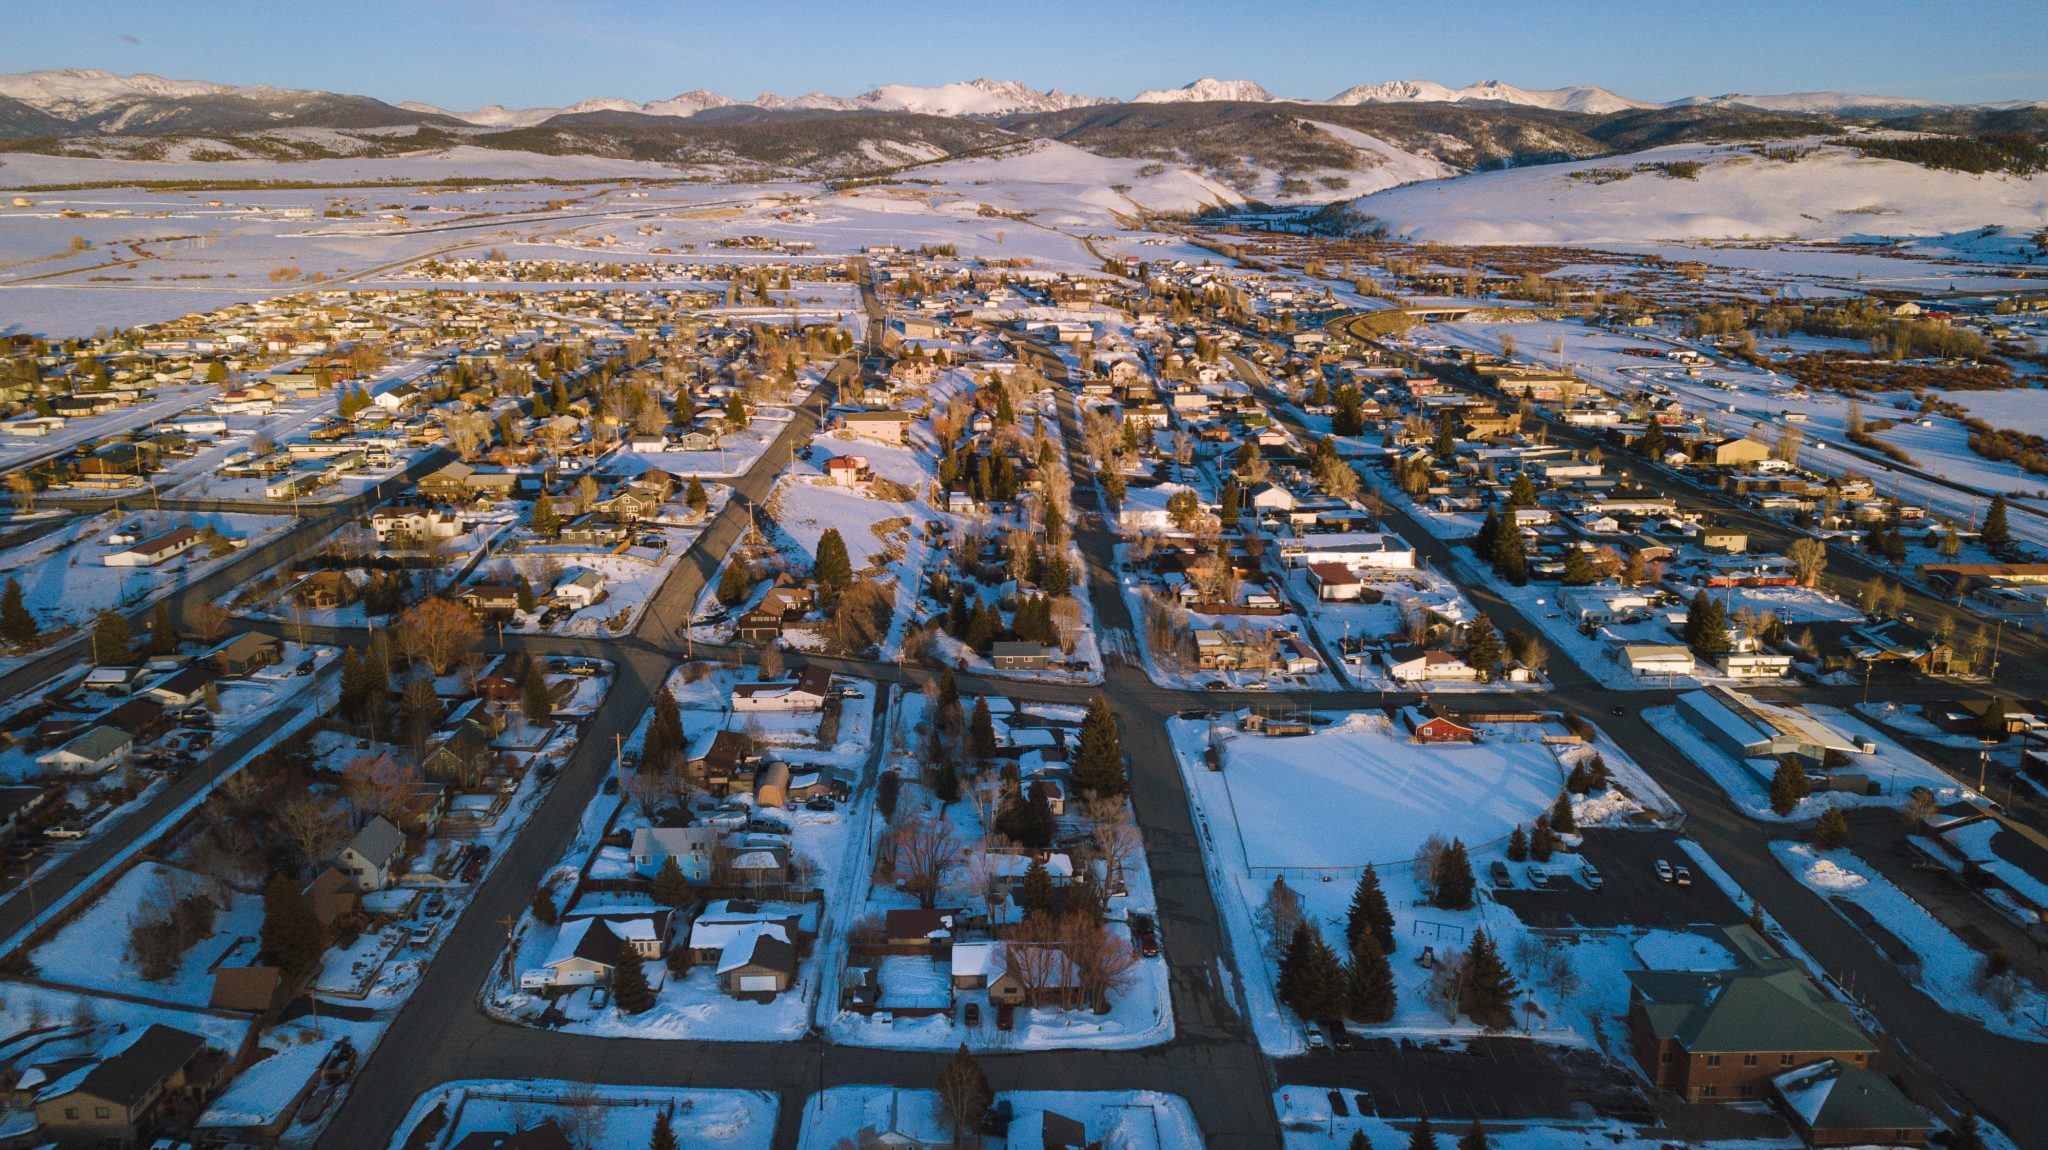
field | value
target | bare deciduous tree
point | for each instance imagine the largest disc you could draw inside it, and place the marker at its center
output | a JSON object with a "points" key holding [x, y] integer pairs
{"points": [[925, 844]]}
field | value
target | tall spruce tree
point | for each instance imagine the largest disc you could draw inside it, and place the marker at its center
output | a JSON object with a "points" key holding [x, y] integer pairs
{"points": [[17, 624], [1454, 878], [983, 730], [664, 1131], [290, 933], [630, 990], [832, 567], [1369, 982], [1099, 755], [1996, 532], [1474, 1137], [1369, 914], [1486, 991], [1423, 1136]]}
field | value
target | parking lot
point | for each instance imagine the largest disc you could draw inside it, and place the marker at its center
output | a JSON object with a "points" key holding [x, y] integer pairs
{"points": [[1492, 1079], [1631, 894]]}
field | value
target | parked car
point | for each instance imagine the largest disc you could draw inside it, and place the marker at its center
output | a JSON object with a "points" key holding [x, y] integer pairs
{"points": [[611, 784], [1006, 1016], [1683, 877], [1340, 1034], [437, 904], [64, 831], [1145, 935], [1315, 1036], [971, 1014], [1664, 873], [1498, 872], [1590, 875], [821, 803], [1539, 879]]}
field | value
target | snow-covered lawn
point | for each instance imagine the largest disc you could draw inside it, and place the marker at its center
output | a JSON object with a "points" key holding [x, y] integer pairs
{"points": [[92, 951], [1125, 1120], [1306, 1123], [1747, 783], [609, 1116], [1948, 969], [64, 579]]}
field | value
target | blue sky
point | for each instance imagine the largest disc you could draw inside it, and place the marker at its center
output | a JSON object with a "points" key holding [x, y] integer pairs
{"points": [[463, 53]]}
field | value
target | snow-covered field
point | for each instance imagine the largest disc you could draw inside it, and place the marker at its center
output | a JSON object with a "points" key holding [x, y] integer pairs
{"points": [[1948, 969], [596, 1115], [1828, 194], [64, 579]]}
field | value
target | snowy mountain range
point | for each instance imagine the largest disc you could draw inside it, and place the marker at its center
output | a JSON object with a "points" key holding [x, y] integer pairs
{"points": [[105, 102]]}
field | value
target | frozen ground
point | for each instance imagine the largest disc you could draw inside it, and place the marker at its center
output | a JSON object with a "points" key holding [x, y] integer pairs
{"points": [[63, 579]]}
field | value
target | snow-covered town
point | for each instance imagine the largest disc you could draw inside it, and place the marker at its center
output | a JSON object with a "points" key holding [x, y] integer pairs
{"points": [[971, 615]]}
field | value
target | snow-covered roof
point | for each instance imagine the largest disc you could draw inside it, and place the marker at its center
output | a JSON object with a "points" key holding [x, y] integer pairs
{"points": [[739, 946]]}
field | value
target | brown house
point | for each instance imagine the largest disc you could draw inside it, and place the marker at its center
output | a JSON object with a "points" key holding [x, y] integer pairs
{"points": [[335, 901], [251, 989], [1722, 1036], [151, 1076], [324, 590]]}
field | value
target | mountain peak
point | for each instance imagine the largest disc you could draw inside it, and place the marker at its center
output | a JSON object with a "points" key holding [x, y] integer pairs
{"points": [[1204, 90]]}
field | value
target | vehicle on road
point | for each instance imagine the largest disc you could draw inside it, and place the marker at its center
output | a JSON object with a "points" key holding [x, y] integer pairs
{"points": [[1498, 872], [64, 831], [1214, 686], [1683, 876], [1664, 872], [1315, 1037], [1618, 712], [1257, 685], [1591, 876], [611, 784]]}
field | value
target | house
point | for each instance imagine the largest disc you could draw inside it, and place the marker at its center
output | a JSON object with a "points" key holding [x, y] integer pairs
{"points": [[759, 961], [1836, 1103], [408, 525], [1734, 452], [691, 847], [1430, 725], [546, 1136], [250, 989], [880, 426], [1754, 665], [807, 692], [504, 681], [586, 952], [123, 1095], [1335, 583], [1045, 1130], [1643, 659], [645, 935], [973, 962], [1724, 1035], [918, 929], [489, 599], [580, 587], [847, 470], [1024, 974], [151, 552], [245, 654], [372, 855], [1416, 665], [113, 680], [1748, 729], [93, 753], [1725, 540], [457, 481], [1009, 656], [324, 591], [727, 762], [335, 901]]}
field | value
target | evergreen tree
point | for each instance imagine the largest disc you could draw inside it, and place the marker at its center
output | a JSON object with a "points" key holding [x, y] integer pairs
{"points": [[1522, 493], [545, 522], [1788, 786], [1369, 915], [1294, 967], [1349, 418], [1037, 890], [111, 642], [1482, 648], [544, 911], [17, 623], [1562, 818], [735, 411], [1487, 541], [1578, 570], [1996, 532], [670, 887], [1323, 990], [630, 991], [732, 584], [695, 496], [984, 730], [1486, 991], [1099, 755], [665, 1134], [1233, 503], [523, 590], [1475, 1138], [832, 567], [1832, 831], [1706, 625], [1454, 878], [1518, 845], [1511, 556], [1368, 983], [163, 637], [1359, 1141], [1966, 1135], [1446, 436], [535, 702], [664, 734], [290, 931], [949, 689], [1653, 440], [946, 786], [1543, 841], [1423, 1137]]}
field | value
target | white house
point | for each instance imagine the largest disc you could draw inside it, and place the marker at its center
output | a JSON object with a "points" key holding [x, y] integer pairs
{"points": [[151, 552], [580, 588], [1657, 659], [586, 952], [1412, 665], [1755, 665], [807, 693], [370, 857], [415, 523], [94, 752]]}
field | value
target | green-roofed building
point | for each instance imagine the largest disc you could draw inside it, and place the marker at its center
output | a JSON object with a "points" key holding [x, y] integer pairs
{"points": [[1836, 1104], [1722, 1035]]}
